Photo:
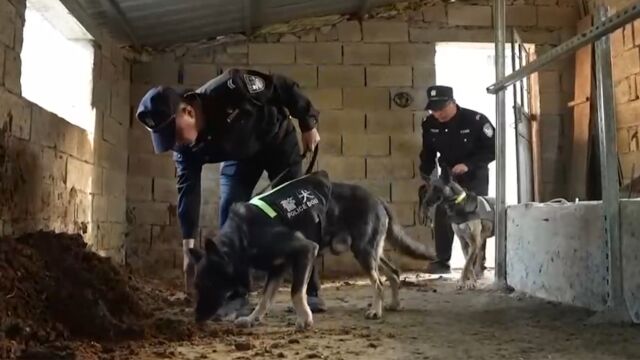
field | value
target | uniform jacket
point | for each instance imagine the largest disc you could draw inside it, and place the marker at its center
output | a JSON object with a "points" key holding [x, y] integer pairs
{"points": [[468, 138], [244, 110], [300, 204]]}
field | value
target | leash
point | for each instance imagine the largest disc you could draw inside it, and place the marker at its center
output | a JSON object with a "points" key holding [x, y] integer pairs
{"points": [[312, 163]]}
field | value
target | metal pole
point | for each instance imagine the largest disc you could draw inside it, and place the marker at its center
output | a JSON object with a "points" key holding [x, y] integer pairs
{"points": [[501, 221], [609, 173], [608, 25]]}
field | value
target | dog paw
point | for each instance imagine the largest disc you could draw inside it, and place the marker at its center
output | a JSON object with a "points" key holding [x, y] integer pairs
{"points": [[470, 285], [372, 315], [304, 324], [393, 306], [461, 284], [244, 322]]}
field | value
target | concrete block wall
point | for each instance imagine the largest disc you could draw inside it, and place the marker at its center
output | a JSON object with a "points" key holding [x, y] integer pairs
{"points": [[351, 70], [55, 175]]}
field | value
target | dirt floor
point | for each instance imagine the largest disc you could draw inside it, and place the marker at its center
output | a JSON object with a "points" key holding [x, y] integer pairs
{"points": [[437, 322]]}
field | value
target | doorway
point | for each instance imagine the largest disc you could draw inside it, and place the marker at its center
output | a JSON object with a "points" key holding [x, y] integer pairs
{"points": [[469, 68]]}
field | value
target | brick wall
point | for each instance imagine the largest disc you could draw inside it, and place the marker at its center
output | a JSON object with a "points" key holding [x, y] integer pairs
{"points": [[54, 175], [351, 71], [625, 54]]}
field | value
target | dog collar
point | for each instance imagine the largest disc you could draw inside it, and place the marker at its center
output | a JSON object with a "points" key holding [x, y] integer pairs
{"points": [[461, 197]]}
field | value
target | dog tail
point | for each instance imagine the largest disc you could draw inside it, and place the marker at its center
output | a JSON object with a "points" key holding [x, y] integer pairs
{"points": [[399, 239]]}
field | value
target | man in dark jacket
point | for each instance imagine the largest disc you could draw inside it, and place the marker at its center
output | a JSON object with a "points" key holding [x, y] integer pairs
{"points": [[242, 119], [464, 140]]}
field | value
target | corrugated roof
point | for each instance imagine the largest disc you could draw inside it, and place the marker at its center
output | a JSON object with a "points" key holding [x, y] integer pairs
{"points": [[158, 23]]}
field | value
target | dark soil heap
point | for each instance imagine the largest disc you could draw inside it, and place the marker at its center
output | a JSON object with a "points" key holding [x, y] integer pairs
{"points": [[53, 288]]}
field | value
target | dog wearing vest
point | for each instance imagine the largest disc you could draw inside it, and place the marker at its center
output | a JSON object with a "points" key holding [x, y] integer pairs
{"points": [[472, 219], [285, 229]]}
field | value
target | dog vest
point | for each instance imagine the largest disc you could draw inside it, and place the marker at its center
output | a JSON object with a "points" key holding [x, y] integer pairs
{"points": [[301, 204]]}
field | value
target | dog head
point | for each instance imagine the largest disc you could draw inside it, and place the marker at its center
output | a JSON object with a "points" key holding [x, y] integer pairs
{"points": [[214, 279], [441, 190]]}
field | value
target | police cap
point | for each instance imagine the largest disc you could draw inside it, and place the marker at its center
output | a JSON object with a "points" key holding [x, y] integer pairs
{"points": [[157, 112], [438, 96]]}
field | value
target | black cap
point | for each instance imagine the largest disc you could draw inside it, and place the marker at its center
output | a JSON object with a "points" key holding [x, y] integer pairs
{"points": [[157, 112], [438, 96]]}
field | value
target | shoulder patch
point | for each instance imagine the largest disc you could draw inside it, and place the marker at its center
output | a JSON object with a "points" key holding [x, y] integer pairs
{"points": [[488, 130], [230, 84], [254, 83], [478, 116]]}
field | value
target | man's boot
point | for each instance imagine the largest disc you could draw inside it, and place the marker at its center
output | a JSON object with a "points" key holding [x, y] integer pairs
{"points": [[188, 267]]}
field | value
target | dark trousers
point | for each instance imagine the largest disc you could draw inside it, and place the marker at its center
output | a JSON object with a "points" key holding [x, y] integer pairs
{"points": [[479, 185], [238, 180]]}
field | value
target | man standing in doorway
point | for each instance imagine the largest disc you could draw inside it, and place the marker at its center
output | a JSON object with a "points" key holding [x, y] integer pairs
{"points": [[464, 140], [240, 118]]}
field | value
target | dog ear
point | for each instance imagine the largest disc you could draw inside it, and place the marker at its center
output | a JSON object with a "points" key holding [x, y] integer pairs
{"points": [[212, 249], [446, 174], [457, 189]]}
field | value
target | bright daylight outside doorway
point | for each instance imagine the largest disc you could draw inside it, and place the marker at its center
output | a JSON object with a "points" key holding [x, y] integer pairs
{"points": [[469, 68]]}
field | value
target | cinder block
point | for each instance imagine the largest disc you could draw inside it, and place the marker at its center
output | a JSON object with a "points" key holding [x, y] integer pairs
{"points": [[340, 76], [7, 24], [139, 188], [221, 57], [166, 236], [349, 31], [116, 209], [12, 71], [54, 170], [209, 214], [389, 76], [550, 16], [325, 98], [1, 65], [198, 74], [149, 213], [622, 140], [151, 165], [379, 188], [424, 76], [261, 68], [84, 146], [110, 157], [165, 190], [305, 75], [405, 213], [365, 145], [627, 34], [634, 141], [115, 183], [389, 122], [413, 54], [343, 168], [16, 114], [418, 98], [628, 113], [405, 190], [453, 34], [406, 146], [271, 54], [341, 122], [636, 32], [469, 15], [327, 33], [79, 175], [434, 14], [140, 142], [114, 132], [625, 90], [42, 123], [366, 98], [330, 144], [617, 42], [627, 64], [521, 15], [319, 53], [366, 54], [99, 208], [390, 168], [385, 31]]}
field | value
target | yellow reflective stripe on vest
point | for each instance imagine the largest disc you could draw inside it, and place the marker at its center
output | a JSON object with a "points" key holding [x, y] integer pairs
{"points": [[263, 206]]}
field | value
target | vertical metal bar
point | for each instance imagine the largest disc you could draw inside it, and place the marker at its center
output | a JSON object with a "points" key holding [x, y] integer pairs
{"points": [[609, 167], [501, 221], [515, 65]]}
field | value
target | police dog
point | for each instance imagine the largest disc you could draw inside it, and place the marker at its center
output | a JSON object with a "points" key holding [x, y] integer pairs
{"points": [[249, 239], [472, 220]]}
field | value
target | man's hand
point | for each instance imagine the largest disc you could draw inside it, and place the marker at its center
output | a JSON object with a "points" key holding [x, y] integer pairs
{"points": [[459, 169], [310, 139]]}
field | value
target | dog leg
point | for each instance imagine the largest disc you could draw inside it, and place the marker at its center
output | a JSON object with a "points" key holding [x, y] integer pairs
{"points": [[303, 258], [378, 295], [392, 274], [272, 285], [478, 270]]}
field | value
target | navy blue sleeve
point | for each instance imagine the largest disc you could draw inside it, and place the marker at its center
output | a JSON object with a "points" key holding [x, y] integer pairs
{"points": [[427, 155], [485, 142], [189, 175]]}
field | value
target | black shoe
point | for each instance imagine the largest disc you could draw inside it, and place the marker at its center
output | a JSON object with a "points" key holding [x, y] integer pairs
{"points": [[438, 267]]}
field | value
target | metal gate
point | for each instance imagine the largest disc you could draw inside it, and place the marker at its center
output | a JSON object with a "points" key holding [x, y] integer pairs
{"points": [[522, 114]]}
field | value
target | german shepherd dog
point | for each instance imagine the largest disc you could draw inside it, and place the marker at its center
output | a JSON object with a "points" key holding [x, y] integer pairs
{"points": [[472, 220], [250, 239]]}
